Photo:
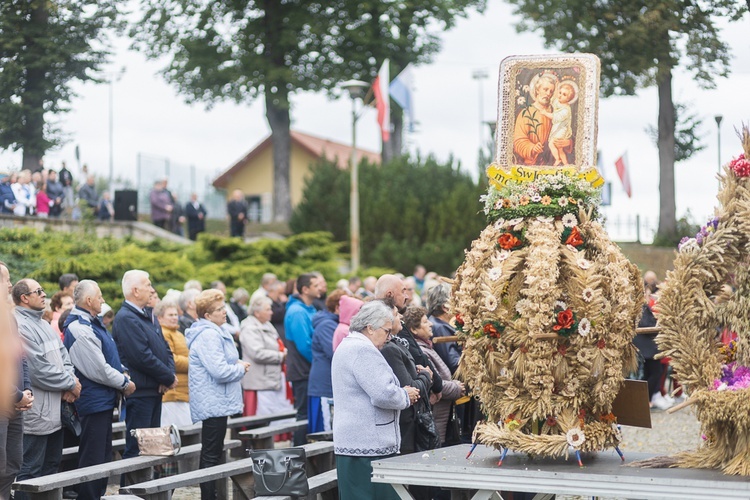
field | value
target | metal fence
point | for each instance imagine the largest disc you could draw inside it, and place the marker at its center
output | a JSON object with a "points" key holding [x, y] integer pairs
{"points": [[636, 227], [182, 180]]}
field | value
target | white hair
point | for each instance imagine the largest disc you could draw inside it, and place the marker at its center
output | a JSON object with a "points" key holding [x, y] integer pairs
{"points": [[132, 279], [83, 290], [258, 303], [187, 297]]}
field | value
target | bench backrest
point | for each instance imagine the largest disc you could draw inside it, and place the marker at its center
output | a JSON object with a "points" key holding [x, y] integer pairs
{"points": [[68, 478]]}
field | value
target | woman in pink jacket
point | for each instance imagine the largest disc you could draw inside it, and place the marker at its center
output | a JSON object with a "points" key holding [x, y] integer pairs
{"points": [[348, 307]]}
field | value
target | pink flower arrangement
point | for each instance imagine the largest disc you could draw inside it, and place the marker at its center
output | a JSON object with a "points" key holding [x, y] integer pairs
{"points": [[740, 166], [734, 377]]}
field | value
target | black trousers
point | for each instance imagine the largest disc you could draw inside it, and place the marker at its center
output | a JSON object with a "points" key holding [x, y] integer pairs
{"points": [[236, 228], [95, 449], [299, 389], [212, 450], [653, 369]]}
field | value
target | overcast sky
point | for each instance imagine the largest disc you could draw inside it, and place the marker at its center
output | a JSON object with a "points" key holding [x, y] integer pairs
{"points": [[151, 119]]}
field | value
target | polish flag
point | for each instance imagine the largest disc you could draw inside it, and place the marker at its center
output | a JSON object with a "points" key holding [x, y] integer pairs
{"points": [[382, 100], [622, 171]]}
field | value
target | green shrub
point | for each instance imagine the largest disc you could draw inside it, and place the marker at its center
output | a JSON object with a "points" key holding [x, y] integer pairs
{"points": [[44, 256]]}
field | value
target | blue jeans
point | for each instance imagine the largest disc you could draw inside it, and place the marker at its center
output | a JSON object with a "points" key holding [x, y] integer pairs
{"points": [[41, 457]]}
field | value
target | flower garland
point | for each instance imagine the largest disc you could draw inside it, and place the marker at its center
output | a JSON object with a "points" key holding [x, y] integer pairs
{"points": [[552, 195], [717, 377]]}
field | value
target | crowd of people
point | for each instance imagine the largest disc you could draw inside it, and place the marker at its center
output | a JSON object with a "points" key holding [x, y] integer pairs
{"points": [[200, 355]]}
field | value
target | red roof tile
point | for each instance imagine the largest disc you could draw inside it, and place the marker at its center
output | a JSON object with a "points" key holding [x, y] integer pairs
{"points": [[316, 146]]}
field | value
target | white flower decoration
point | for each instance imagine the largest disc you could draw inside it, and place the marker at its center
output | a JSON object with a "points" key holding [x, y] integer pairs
{"points": [[536, 198], [559, 304], [490, 302], [503, 255], [541, 218], [513, 222], [575, 437], [618, 433], [499, 223], [588, 294], [584, 327], [495, 273], [521, 101], [563, 201], [569, 220], [584, 264], [690, 246]]}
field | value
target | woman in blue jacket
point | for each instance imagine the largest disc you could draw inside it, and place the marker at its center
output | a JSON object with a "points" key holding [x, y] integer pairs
{"points": [[214, 374]]}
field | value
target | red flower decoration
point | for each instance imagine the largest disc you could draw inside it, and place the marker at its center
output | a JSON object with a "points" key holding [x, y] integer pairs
{"points": [[551, 421], [562, 349], [564, 320], [740, 166], [508, 242], [574, 239], [523, 348], [459, 320], [601, 344]]}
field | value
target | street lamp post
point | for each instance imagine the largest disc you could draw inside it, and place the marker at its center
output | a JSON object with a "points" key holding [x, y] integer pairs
{"points": [[111, 79], [356, 90]]}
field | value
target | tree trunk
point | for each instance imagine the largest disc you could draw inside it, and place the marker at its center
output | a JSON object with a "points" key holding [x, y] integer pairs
{"points": [[667, 218], [32, 135], [278, 119], [394, 147]]}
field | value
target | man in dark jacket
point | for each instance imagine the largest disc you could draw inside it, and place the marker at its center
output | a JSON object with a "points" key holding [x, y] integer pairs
{"points": [[97, 363], [7, 198], [299, 330], [145, 353], [55, 194], [237, 211], [196, 217]]}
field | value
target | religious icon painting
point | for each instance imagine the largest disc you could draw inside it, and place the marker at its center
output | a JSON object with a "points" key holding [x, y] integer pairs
{"points": [[547, 117]]}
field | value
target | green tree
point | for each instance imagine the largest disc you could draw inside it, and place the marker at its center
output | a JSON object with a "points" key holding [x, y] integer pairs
{"points": [[405, 220], [241, 49], [640, 43], [44, 46]]}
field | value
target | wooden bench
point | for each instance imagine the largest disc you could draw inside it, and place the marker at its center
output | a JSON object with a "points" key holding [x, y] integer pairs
{"points": [[320, 436], [136, 469], [324, 484], [239, 424], [262, 437], [320, 459]]}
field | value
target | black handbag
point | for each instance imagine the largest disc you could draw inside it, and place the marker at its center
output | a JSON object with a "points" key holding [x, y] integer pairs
{"points": [[453, 431], [69, 418], [280, 472], [426, 433]]}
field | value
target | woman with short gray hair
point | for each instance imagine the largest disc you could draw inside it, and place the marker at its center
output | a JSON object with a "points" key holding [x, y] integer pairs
{"points": [[369, 400], [264, 385], [438, 313]]}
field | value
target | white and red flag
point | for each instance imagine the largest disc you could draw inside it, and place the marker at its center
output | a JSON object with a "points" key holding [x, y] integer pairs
{"points": [[621, 164], [382, 100]]}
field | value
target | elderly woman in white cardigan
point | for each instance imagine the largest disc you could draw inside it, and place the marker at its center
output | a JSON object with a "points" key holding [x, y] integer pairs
{"points": [[264, 351], [368, 402]]}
